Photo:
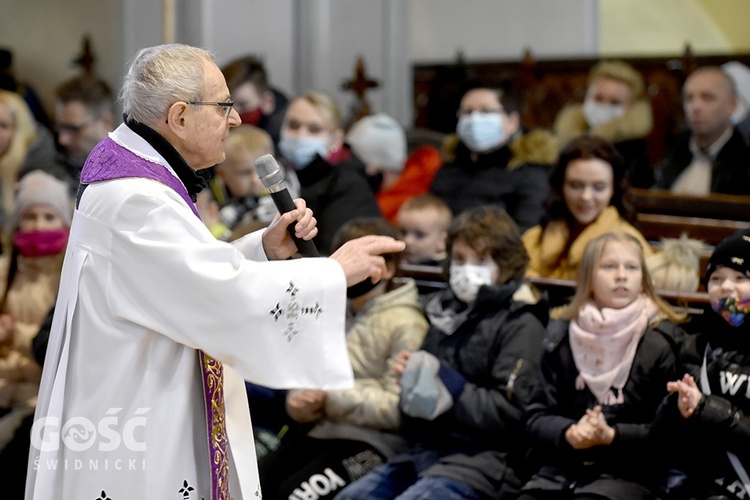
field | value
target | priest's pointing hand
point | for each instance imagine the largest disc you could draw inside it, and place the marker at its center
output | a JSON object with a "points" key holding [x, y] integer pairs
{"points": [[361, 258]]}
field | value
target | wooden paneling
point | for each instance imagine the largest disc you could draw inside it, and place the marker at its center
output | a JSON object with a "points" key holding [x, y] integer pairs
{"points": [[545, 86]]}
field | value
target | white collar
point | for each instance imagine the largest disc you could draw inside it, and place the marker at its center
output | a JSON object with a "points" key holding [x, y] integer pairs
{"points": [[125, 136]]}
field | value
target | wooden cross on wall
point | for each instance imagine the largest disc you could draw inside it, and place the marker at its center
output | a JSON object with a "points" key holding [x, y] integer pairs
{"points": [[86, 59], [360, 84]]}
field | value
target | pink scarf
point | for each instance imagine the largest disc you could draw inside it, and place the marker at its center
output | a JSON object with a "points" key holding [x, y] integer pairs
{"points": [[604, 342]]}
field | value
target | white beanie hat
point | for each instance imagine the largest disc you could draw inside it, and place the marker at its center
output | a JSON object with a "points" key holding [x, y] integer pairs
{"points": [[380, 141], [740, 75], [40, 188]]}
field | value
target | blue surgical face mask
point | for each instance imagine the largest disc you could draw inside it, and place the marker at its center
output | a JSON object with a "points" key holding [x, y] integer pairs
{"points": [[481, 131], [597, 114], [300, 150]]}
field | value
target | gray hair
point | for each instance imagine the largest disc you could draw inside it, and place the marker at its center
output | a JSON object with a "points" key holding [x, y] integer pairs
{"points": [[160, 76]]}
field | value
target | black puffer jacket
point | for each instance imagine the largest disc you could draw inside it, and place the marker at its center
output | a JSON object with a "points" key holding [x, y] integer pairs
{"points": [[336, 194], [496, 350], [557, 404], [517, 182], [721, 422]]}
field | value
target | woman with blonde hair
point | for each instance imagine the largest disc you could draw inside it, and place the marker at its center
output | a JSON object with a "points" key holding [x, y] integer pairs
{"points": [[616, 109], [603, 375], [330, 179], [22, 142]]}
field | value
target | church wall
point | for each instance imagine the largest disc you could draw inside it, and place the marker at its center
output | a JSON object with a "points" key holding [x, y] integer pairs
{"points": [[314, 44], [45, 36]]}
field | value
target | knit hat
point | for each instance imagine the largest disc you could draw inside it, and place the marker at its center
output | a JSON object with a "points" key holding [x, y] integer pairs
{"points": [[379, 140], [740, 75], [40, 188], [732, 252], [677, 267]]}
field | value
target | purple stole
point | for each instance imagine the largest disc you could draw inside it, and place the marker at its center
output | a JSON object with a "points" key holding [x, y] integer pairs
{"points": [[110, 161]]}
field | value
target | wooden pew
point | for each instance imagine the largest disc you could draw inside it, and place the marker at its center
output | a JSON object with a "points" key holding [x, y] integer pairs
{"points": [[559, 292], [710, 206], [428, 278], [711, 231], [710, 218]]}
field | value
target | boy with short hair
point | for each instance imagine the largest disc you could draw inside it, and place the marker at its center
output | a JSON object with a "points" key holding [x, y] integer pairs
{"points": [[424, 221], [237, 189], [463, 394], [710, 408]]}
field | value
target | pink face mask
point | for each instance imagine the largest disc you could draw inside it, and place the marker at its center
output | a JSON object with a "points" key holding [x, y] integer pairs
{"points": [[41, 243]]}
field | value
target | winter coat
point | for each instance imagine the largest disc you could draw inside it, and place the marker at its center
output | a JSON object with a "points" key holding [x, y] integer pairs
{"points": [[730, 173], [514, 176], [627, 133], [391, 323], [545, 247], [32, 294], [698, 445], [491, 359], [335, 194], [560, 400]]}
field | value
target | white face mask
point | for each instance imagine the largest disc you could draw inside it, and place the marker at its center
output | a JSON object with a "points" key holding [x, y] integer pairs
{"points": [[466, 280], [598, 114], [481, 131]]}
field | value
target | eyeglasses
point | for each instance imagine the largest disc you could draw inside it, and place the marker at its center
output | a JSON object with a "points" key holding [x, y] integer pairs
{"points": [[228, 105]]}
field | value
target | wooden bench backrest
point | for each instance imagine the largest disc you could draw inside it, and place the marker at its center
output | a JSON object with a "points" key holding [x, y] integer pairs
{"points": [[559, 292], [710, 218], [711, 206], [711, 231]]}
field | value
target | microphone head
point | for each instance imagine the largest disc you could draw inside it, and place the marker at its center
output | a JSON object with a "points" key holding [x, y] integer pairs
{"points": [[269, 171]]}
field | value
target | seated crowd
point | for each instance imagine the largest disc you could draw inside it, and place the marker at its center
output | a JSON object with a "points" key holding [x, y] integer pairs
{"points": [[499, 400], [479, 388]]}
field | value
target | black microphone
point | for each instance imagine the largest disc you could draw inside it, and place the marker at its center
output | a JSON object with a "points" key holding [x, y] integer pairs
{"points": [[272, 177]]}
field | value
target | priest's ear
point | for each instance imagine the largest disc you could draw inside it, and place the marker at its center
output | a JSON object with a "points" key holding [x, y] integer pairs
{"points": [[177, 119]]}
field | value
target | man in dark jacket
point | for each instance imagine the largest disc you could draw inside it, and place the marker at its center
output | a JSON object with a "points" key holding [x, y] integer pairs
{"points": [[84, 115], [712, 156], [494, 162]]}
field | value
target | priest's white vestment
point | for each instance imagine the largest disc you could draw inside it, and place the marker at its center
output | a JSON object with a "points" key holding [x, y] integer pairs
{"points": [[144, 287]]}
